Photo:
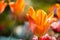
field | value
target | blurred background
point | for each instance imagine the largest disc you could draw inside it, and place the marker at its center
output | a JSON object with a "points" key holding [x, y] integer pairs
{"points": [[12, 28]]}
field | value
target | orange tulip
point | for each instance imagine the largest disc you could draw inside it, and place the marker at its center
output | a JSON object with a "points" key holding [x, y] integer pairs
{"points": [[55, 6], [39, 21], [2, 6], [56, 9], [17, 7]]}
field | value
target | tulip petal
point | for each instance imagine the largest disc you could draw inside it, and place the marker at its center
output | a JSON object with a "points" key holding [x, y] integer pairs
{"points": [[56, 9], [2, 6], [32, 23], [58, 13], [32, 13], [39, 17]]}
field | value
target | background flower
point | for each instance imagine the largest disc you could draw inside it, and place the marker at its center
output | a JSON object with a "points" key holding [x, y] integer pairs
{"points": [[17, 7]]}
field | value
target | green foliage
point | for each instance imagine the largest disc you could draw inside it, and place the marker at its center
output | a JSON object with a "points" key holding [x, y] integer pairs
{"points": [[43, 4]]}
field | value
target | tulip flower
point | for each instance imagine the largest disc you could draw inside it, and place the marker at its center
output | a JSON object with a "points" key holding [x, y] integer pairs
{"points": [[2, 6], [52, 8], [17, 7], [55, 26], [39, 21], [56, 9]]}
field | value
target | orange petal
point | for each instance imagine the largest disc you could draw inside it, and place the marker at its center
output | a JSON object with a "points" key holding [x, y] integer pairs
{"points": [[20, 4], [38, 31], [44, 16], [41, 16], [58, 13], [53, 20], [54, 7], [31, 13], [38, 17], [51, 15], [2, 6], [32, 23]]}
